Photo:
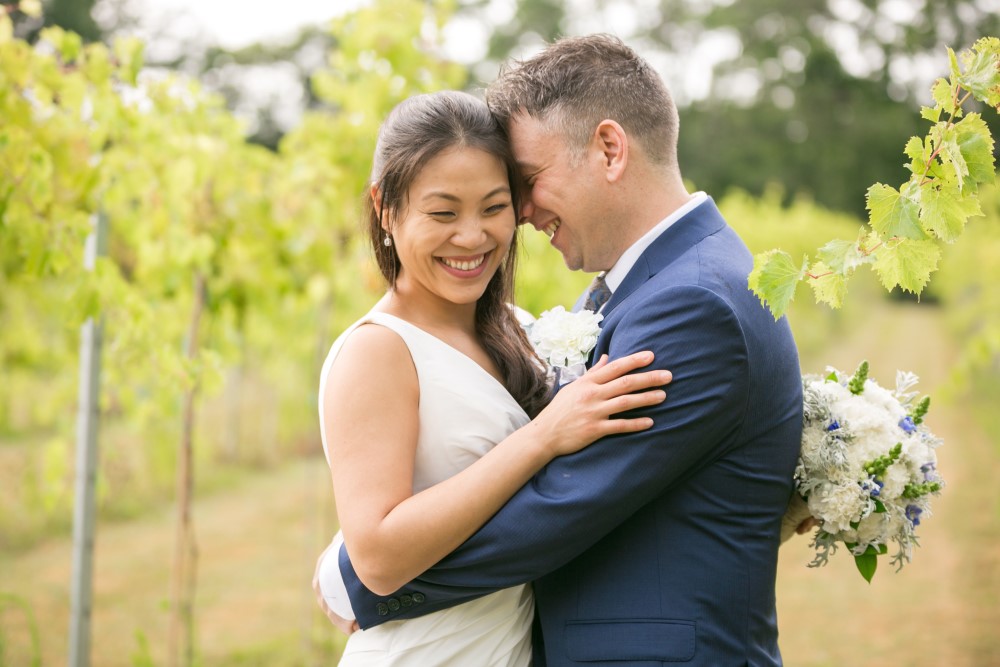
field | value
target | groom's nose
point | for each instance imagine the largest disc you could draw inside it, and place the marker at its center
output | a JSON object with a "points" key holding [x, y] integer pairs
{"points": [[527, 211]]}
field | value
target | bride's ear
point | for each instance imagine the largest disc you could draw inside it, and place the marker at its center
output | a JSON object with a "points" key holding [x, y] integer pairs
{"points": [[376, 194], [612, 144]]}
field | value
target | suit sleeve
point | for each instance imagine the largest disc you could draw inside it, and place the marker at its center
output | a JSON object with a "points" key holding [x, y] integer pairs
{"points": [[577, 499]]}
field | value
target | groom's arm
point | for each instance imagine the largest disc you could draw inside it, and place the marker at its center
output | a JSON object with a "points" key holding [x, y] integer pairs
{"points": [[577, 499]]}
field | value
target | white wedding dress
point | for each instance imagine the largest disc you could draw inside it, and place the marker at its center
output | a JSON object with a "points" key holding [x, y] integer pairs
{"points": [[464, 412]]}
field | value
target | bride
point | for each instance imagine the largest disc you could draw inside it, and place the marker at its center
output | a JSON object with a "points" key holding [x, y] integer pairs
{"points": [[433, 405]]}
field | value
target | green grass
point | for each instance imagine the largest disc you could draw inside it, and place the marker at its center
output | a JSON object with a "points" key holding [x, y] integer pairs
{"points": [[260, 530]]}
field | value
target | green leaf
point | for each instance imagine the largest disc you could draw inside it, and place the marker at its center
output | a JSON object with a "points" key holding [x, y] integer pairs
{"points": [[867, 564], [944, 95], [892, 214], [829, 287], [129, 54], [842, 257], [774, 279], [908, 264], [918, 154], [976, 145], [981, 75], [944, 210], [32, 8], [950, 154], [879, 507], [933, 114], [990, 46]]}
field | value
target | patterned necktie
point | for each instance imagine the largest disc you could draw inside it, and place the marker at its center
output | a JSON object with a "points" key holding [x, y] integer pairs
{"points": [[598, 294]]}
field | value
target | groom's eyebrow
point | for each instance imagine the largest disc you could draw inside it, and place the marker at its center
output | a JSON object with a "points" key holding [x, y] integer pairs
{"points": [[527, 169]]}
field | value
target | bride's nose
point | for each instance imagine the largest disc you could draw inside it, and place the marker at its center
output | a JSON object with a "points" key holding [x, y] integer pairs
{"points": [[469, 233]]}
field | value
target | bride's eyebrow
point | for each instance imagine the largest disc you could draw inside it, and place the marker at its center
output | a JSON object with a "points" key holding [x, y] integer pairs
{"points": [[503, 189], [440, 195]]}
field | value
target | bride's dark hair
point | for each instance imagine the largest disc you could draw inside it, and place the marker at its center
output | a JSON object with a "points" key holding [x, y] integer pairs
{"points": [[413, 133]]}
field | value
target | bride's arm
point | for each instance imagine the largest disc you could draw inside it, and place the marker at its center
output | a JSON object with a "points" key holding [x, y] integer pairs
{"points": [[370, 411]]}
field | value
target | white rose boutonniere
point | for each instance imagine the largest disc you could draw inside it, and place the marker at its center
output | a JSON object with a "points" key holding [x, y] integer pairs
{"points": [[564, 340]]}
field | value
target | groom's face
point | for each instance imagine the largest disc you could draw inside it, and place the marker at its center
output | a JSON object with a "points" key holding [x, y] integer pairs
{"points": [[562, 195]]}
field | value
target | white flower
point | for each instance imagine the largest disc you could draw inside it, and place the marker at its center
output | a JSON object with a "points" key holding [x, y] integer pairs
{"points": [[867, 470], [564, 339]]}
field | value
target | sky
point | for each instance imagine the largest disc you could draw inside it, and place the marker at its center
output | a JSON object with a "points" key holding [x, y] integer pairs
{"points": [[235, 23]]}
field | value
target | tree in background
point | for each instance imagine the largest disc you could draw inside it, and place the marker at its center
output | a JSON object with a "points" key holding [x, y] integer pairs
{"points": [[814, 95]]}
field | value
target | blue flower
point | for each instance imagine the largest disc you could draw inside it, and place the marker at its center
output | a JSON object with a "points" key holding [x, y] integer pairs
{"points": [[834, 425], [930, 472], [913, 514], [906, 423]]}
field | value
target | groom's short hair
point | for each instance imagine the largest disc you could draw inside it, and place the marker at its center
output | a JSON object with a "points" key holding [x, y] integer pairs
{"points": [[576, 82]]}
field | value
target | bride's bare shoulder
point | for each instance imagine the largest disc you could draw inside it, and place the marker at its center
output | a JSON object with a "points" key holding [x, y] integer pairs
{"points": [[370, 355]]}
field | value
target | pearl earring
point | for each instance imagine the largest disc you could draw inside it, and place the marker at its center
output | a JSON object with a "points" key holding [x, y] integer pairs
{"points": [[387, 241]]}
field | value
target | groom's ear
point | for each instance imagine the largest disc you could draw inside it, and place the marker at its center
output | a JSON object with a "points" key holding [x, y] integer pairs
{"points": [[612, 143]]}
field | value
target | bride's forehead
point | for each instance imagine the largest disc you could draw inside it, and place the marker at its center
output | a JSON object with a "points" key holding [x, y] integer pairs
{"points": [[461, 170]]}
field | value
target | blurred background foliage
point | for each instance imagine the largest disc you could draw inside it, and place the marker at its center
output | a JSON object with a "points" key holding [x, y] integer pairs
{"points": [[249, 203]]}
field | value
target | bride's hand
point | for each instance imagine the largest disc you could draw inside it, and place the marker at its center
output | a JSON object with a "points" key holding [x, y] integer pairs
{"points": [[579, 413]]}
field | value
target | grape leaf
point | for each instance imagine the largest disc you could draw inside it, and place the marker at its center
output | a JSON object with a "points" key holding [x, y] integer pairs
{"points": [[950, 154], [918, 155], [841, 257], [892, 214], [981, 75], [976, 145], [944, 95], [991, 47], [933, 114], [774, 279], [907, 263], [828, 286], [945, 210]]}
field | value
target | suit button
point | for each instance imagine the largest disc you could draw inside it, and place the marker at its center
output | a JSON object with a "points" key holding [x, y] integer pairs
{"points": [[418, 598], [406, 600], [382, 609], [393, 604]]}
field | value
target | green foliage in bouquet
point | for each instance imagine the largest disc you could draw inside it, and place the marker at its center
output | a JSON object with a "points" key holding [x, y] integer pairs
{"points": [[907, 226]]}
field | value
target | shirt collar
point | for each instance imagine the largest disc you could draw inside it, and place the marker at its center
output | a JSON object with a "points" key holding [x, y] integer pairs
{"points": [[617, 273]]}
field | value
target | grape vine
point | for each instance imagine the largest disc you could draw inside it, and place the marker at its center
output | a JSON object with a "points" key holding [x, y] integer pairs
{"points": [[907, 226]]}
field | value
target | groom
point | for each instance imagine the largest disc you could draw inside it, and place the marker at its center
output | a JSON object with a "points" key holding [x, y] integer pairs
{"points": [[656, 546]]}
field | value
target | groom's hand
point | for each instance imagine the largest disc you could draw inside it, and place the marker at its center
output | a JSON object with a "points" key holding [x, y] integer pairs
{"points": [[344, 625], [806, 525]]}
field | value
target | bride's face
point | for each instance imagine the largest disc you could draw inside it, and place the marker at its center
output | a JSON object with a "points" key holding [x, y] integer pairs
{"points": [[456, 228]]}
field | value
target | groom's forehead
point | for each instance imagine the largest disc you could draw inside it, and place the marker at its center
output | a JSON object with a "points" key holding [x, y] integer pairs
{"points": [[532, 143]]}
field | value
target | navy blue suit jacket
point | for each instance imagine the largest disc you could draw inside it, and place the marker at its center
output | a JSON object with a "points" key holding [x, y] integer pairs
{"points": [[662, 545]]}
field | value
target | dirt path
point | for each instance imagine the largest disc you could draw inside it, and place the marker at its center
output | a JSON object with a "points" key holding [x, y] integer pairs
{"points": [[944, 607]]}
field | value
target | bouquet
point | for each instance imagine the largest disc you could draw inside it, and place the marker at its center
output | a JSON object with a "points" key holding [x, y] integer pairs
{"points": [[867, 470], [564, 340]]}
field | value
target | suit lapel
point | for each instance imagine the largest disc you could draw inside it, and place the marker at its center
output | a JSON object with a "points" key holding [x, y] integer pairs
{"points": [[680, 237]]}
